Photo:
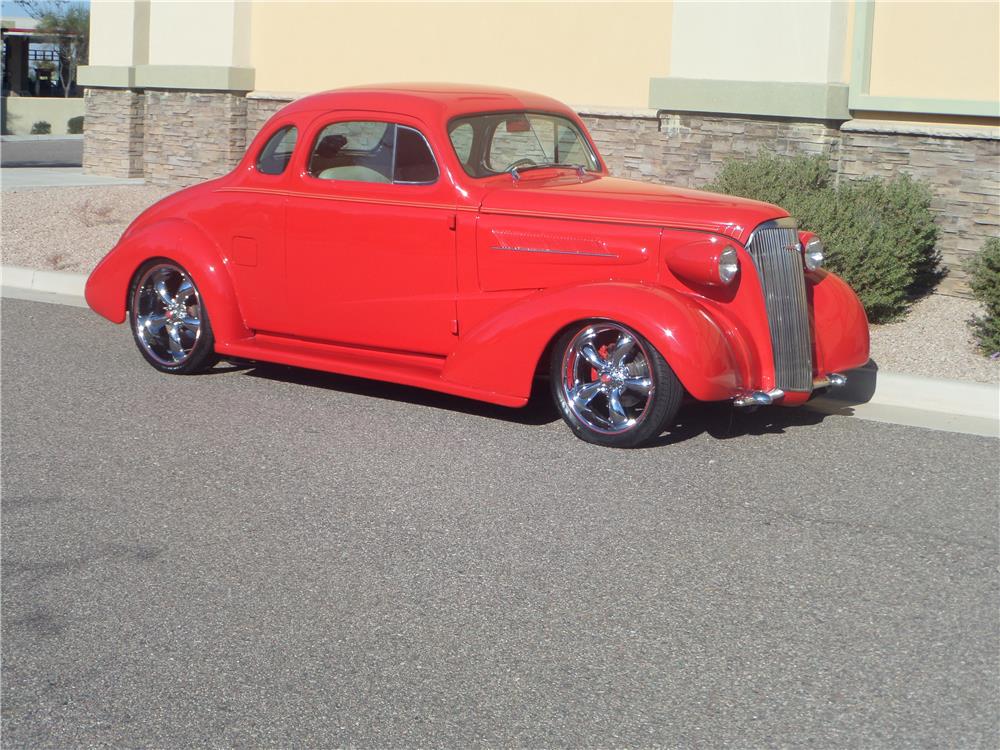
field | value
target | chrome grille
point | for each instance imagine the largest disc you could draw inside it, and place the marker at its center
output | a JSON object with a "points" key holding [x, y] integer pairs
{"points": [[774, 249]]}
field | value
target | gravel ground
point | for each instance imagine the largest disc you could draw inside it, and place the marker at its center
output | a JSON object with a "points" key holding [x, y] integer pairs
{"points": [[934, 341], [79, 225], [69, 228]]}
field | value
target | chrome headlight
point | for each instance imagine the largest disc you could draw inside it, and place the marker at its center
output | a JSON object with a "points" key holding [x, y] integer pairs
{"points": [[812, 254], [729, 265]]}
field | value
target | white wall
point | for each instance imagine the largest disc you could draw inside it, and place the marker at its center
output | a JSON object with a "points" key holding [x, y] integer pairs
{"points": [[795, 42], [119, 32], [210, 32]]}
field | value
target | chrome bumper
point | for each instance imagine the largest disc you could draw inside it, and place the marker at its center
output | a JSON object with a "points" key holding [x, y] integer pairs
{"points": [[753, 399]]}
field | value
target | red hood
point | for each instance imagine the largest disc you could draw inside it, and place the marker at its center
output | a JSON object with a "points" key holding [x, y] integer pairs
{"points": [[598, 198]]}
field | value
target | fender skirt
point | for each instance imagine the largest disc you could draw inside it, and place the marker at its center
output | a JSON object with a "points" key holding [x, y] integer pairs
{"points": [[180, 241], [502, 353]]}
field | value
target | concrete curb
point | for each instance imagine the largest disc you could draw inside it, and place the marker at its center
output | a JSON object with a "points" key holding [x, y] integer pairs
{"points": [[870, 393], [937, 404], [58, 287]]}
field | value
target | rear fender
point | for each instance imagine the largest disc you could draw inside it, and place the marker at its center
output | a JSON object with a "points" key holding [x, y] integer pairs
{"points": [[501, 354], [180, 241]]}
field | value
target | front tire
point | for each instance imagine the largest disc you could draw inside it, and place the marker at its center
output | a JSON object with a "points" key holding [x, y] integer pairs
{"points": [[611, 386], [169, 321]]}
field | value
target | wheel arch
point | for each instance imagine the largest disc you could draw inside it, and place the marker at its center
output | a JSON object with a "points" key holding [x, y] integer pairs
{"points": [[176, 241], [681, 330]]}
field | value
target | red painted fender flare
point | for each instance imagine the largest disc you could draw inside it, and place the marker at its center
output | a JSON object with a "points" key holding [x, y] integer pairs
{"points": [[182, 242], [501, 354], [841, 326]]}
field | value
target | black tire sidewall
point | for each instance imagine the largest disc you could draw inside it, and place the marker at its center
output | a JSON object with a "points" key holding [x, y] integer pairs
{"points": [[203, 357], [667, 395]]}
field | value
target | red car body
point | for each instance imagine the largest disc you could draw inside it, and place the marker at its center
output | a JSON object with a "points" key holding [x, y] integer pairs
{"points": [[461, 285]]}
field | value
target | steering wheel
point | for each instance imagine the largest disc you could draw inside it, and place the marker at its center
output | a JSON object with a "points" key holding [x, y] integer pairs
{"points": [[521, 163]]}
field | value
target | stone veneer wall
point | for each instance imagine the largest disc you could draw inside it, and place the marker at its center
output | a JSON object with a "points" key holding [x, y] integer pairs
{"points": [[114, 134], [259, 111], [193, 136], [689, 150], [682, 149], [964, 175]]}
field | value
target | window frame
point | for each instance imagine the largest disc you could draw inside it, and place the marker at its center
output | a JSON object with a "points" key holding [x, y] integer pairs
{"points": [[396, 125]]}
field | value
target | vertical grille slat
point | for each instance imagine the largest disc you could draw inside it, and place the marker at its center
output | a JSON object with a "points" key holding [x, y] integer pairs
{"points": [[774, 249]]}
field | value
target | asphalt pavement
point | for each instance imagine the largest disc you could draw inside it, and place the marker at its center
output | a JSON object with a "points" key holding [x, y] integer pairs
{"points": [[41, 152], [30, 162], [272, 557]]}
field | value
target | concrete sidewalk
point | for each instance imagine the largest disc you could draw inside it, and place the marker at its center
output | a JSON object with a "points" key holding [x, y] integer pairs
{"points": [[936, 404], [27, 178]]}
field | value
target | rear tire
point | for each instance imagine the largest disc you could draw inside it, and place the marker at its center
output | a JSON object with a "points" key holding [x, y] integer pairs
{"points": [[169, 321], [611, 386]]}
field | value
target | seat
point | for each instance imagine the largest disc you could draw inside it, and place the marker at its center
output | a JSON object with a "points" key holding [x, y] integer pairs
{"points": [[354, 172]]}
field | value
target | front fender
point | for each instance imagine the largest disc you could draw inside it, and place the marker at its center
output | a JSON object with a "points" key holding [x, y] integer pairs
{"points": [[501, 354], [107, 287], [841, 326]]}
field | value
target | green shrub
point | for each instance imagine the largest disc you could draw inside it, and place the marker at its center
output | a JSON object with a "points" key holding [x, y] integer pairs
{"points": [[788, 182], [41, 128], [74, 125], [984, 280], [879, 234]]}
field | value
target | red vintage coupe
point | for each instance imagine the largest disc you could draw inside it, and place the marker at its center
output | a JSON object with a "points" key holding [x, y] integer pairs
{"points": [[469, 240]]}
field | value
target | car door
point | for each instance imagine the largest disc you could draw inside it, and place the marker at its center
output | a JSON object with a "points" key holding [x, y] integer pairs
{"points": [[370, 240], [256, 231]]}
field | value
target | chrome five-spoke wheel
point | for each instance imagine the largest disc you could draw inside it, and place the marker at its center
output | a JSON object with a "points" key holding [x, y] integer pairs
{"points": [[612, 387], [169, 322]]}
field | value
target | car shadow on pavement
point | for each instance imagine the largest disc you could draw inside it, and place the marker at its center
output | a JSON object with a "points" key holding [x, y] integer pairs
{"points": [[723, 422], [720, 420], [539, 410]]}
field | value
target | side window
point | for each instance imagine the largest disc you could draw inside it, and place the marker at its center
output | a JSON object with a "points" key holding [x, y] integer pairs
{"points": [[372, 152], [461, 139], [414, 160], [570, 148], [277, 151], [358, 151]]}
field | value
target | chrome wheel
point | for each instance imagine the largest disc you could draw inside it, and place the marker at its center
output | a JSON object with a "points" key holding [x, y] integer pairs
{"points": [[167, 315], [606, 381]]}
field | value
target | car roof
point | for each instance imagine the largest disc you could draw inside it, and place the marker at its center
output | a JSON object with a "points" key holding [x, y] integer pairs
{"points": [[428, 101]]}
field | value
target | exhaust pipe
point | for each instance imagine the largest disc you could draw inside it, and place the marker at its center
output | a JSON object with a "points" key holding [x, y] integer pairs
{"points": [[758, 398], [831, 380]]}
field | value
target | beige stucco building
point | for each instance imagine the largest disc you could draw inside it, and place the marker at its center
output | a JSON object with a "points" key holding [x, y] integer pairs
{"points": [[669, 89]]}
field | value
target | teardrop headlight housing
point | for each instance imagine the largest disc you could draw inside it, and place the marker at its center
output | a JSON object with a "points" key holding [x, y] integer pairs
{"points": [[812, 253], [729, 265]]}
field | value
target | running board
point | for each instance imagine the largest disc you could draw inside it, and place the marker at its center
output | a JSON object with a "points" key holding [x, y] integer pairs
{"points": [[421, 371]]}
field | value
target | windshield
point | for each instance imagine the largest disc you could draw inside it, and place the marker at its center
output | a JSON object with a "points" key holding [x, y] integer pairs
{"points": [[490, 144]]}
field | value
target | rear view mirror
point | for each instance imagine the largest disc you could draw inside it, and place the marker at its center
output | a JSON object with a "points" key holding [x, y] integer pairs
{"points": [[517, 125]]}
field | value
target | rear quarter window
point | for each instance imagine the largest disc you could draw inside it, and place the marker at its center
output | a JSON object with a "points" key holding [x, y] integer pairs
{"points": [[277, 152]]}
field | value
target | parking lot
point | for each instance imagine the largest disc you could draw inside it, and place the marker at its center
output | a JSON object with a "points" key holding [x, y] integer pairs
{"points": [[273, 557]]}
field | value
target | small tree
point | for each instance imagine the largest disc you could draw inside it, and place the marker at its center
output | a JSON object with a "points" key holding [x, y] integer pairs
{"points": [[69, 25]]}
